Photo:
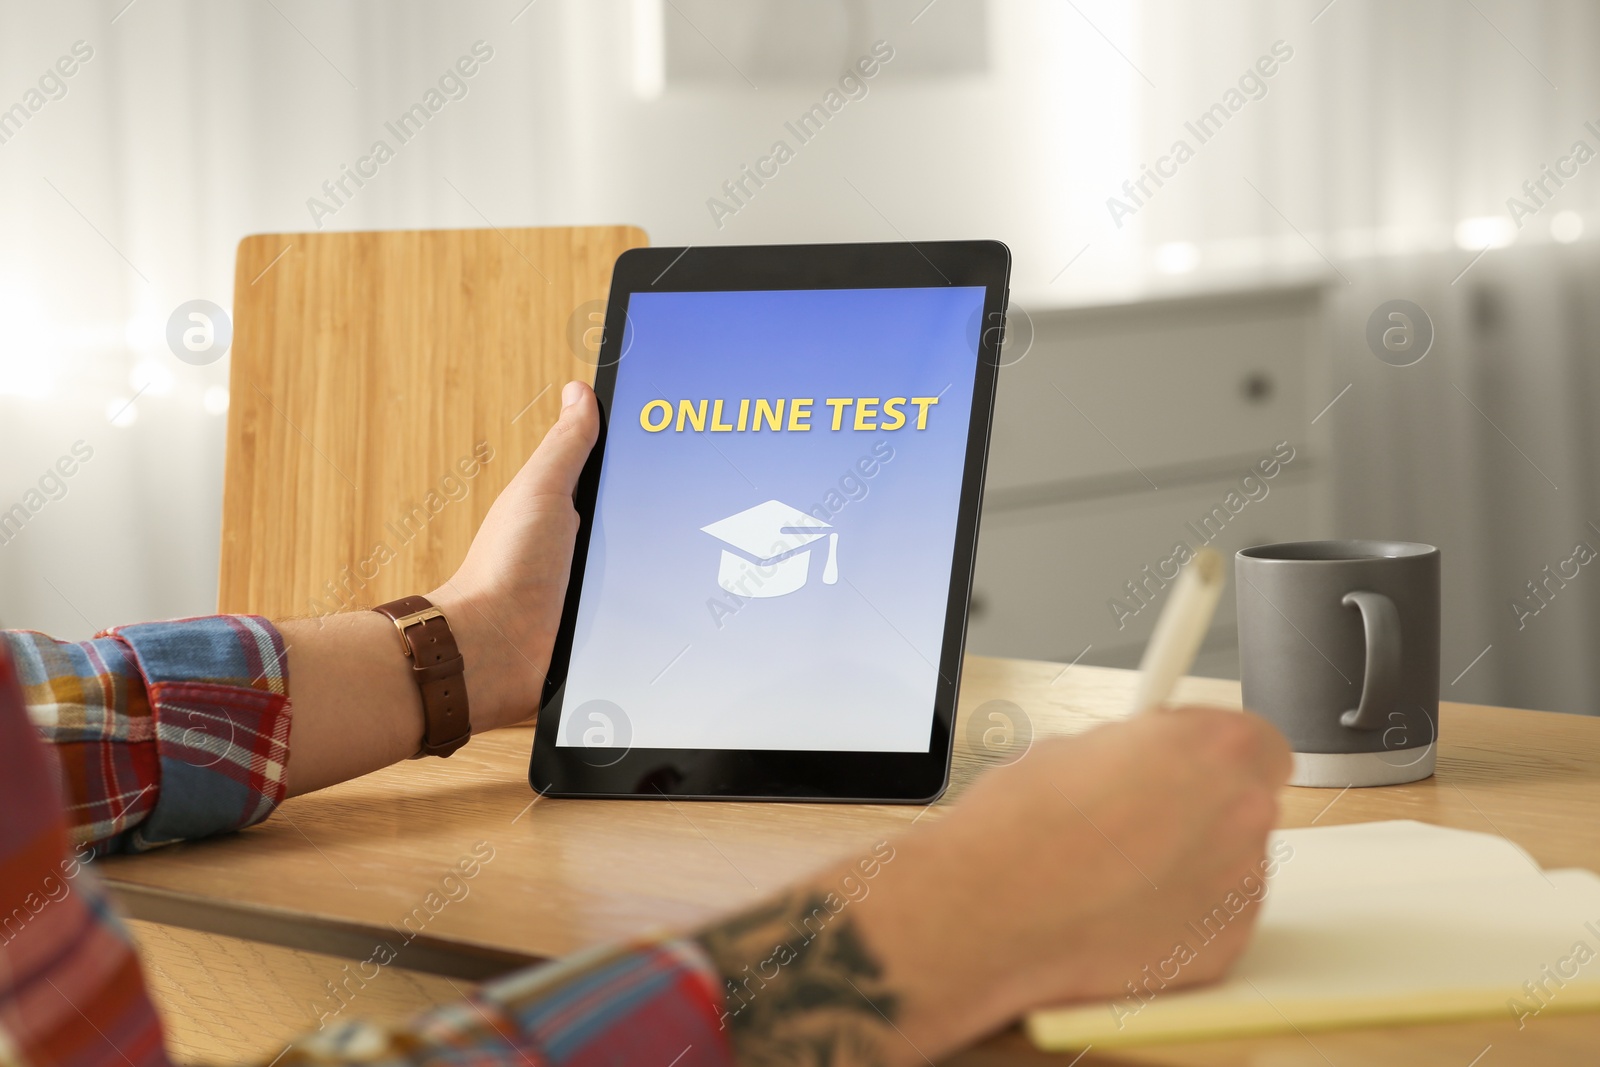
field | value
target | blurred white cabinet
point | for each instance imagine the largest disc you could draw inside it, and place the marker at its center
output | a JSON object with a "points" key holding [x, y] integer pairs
{"points": [[1123, 432]]}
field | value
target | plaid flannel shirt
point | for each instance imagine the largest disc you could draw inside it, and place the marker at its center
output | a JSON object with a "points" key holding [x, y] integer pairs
{"points": [[170, 731]]}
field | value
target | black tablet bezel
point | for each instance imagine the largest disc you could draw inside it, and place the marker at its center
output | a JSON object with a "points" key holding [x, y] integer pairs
{"points": [[727, 774]]}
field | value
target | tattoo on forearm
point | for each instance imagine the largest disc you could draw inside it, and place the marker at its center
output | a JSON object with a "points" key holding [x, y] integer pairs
{"points": [[801, 987]]}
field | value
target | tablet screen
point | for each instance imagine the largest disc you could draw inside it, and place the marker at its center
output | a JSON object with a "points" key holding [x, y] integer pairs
{"points": [[770, 559]]}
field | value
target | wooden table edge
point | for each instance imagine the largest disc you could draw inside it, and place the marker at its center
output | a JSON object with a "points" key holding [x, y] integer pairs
{"points": [[304, 932]]}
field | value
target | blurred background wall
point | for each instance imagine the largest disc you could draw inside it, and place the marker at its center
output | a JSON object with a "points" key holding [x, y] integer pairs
{"points": [[1168, 333]]}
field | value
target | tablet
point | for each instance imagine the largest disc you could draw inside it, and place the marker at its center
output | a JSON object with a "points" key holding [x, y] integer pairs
{"points": [[769, 588]]}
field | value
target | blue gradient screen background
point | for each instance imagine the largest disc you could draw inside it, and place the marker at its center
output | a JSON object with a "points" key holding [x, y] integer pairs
{"points": [[845, 667]]}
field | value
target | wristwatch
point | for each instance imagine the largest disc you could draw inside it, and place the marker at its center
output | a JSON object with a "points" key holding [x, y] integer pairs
{"points": [[438, 669]]}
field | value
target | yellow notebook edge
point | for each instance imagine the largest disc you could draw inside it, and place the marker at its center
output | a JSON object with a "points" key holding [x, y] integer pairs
{"points": [[1064, 1029]]}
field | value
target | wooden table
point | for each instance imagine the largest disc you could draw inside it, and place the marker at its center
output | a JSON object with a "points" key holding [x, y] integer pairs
{"points": [[281, 909]]}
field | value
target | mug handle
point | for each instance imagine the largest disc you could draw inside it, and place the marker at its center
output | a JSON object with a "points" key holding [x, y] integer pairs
{"points": [[1379, 689]]}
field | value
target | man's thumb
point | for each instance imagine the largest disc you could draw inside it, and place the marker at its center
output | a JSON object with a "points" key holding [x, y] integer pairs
{"points": [[555, 465]]}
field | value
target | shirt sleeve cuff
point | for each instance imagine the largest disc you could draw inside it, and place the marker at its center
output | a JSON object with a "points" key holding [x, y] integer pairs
{"points": [[219, 692], [620, 1004], [647, 1003]]}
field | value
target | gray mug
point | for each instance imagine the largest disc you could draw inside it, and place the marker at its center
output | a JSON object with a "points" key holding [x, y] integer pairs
{"points": [[1339, 648]]}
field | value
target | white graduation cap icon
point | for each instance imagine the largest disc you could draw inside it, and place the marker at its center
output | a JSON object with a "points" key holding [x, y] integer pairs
{"points": [[768, 550]]}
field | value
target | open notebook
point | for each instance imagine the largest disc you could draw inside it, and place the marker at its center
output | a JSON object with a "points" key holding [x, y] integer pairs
{"points": [[1375, 923]]}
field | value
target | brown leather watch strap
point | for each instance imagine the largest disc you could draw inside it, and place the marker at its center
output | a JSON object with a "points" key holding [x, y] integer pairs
{"points": [[438, 669]]}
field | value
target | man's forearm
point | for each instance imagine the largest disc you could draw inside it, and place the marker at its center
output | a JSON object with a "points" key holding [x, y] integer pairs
{"points": [[802, 986], [355, 708], [356, 705], [857, 966]]}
